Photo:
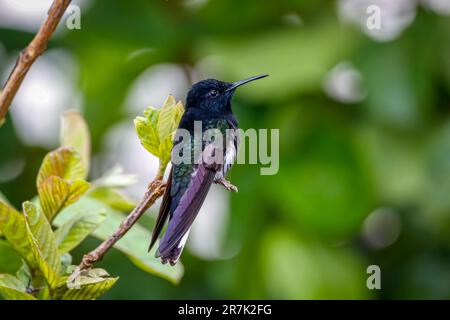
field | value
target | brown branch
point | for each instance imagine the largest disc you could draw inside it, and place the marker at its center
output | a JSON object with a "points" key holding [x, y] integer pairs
{"points": [[28, 56], [155, 190]]}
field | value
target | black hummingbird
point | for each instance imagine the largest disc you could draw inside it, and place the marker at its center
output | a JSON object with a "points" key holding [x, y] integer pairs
{"points": [[208, 102]]}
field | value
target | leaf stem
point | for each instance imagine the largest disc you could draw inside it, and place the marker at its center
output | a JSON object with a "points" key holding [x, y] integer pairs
{"points": [[155, 190], [161, 169], [28, 56]]}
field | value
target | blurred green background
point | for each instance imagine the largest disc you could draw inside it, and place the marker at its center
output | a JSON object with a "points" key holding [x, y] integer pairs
{"points": [[364, 119]]}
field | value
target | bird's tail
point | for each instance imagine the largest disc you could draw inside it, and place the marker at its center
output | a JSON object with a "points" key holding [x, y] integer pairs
{"points": [[174, 254]]}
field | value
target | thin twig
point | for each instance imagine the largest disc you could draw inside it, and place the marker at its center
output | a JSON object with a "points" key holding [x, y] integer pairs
{"points": [[155, 190], [28, 56]]}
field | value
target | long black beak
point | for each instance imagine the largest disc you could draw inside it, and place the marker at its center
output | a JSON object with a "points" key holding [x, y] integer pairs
{"points": [[236, 84]]}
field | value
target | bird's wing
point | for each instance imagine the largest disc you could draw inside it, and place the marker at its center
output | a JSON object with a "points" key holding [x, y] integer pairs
{"points": [[190, 203], [164, 211]]}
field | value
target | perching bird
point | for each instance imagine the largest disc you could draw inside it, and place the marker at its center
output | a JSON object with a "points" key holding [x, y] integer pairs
{"points": [[209, 103]]}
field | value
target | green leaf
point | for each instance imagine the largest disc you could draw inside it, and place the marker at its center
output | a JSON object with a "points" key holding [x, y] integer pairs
{"points": [[64, 163], [10, 260], [75, 134], [115, 178], [146, 130], [89, 286], [166, 118], [12, 225], [13, 289], [170, 116], [134, 244], [24, 274], [56, 193], [156, 128], [112, 197], [66, 262], [71, 233], [43, 244]]}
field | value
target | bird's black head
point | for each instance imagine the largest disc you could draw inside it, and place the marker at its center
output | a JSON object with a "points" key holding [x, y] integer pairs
{"points": [[213, 95]]}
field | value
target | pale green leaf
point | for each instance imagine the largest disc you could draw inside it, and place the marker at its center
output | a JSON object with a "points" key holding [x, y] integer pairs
{"points": [[116, 178], [12, 225], [66, 262], [12, 288], [75, 134], [112, 197], [134, 244], [89, 285], [156, 129], [64, 163], [147, 131], [165, 125], [168, 121], [24, 274], [42, 241], [56, 193], [71, 233]]}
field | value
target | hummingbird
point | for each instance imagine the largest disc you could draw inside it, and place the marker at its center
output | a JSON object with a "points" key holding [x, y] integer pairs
{"points": [[208, 102]]}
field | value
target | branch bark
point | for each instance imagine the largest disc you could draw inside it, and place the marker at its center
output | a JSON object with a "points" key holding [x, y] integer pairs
{"points": [[28, 56], [155, 190]]}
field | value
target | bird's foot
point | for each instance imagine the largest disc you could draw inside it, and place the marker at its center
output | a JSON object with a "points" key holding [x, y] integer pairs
{"points": [[227, 185]]}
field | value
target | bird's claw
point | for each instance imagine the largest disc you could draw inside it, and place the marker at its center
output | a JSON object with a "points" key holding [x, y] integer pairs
{"points": [[227, 185]]}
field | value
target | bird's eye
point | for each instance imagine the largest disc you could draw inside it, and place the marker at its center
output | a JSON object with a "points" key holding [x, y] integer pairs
{"points": [[213, 93]]}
